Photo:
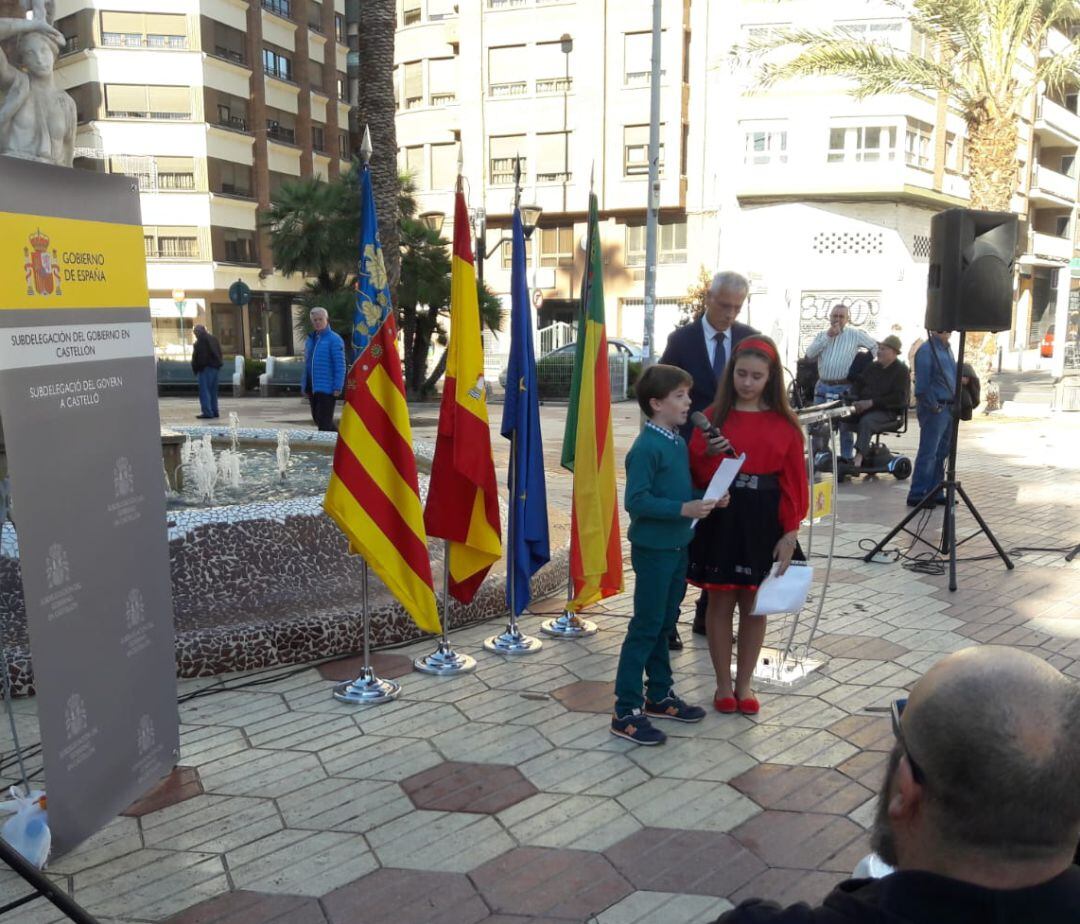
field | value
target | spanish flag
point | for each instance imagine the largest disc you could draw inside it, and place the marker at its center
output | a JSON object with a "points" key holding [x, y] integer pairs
{"points": [[463, 503], [373, 494], [588, 447]]}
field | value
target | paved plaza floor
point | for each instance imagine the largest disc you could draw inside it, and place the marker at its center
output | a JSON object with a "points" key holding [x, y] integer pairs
{"points": [[501, 797]]}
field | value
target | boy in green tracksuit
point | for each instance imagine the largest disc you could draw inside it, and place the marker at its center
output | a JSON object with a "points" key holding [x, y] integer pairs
{"points": [[661, 502]]}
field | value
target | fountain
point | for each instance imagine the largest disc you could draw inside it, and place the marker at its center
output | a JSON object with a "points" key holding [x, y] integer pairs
{"points": [[283, 453]]}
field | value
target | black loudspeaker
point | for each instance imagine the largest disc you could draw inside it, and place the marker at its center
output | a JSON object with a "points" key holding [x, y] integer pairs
{"points": [[971, 270]]}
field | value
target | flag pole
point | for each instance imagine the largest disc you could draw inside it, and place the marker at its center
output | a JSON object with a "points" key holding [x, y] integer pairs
{"points": [[444, 661], [511, 641], [367, 689], [569, 624]]}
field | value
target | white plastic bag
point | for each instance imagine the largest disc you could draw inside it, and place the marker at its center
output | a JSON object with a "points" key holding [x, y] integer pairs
{"points": [[785, 594], [27, 830]]}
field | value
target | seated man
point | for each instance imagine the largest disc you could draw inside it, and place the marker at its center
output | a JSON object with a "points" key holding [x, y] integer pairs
{"points": [[980, 809], [881, 394]]}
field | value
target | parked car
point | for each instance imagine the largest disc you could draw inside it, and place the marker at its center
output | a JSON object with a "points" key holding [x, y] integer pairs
{"points": [[564, 356], [1046, 348]]}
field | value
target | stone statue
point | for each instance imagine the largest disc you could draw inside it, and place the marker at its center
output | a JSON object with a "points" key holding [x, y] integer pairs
{"points": [[37, 118]]}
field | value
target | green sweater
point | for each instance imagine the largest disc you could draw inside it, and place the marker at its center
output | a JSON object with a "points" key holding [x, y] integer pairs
{"points": [[657, 485]]}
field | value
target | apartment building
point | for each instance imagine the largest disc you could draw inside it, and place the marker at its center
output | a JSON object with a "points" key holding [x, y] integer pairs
{"points": [[564, 86], [210, 105], [816, 196]]}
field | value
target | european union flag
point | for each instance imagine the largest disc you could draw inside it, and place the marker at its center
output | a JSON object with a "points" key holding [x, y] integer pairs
{"points": [[372, 287], [528, 524]]}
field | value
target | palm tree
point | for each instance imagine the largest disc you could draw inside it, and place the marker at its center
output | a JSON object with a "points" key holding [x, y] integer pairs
{"points": [[988, 62], [377, 110]]}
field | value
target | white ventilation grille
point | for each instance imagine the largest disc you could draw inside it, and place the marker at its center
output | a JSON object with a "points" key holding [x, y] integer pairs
{"points": [[836, 243]]}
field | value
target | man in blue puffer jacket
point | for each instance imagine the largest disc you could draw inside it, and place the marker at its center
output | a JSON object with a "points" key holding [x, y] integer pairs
{"points": [[324, 369]]}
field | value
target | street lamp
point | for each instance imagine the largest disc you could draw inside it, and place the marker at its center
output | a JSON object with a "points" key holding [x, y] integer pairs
{"points": [[530, 217], [566, 44], [180, 299], [433, 220]]}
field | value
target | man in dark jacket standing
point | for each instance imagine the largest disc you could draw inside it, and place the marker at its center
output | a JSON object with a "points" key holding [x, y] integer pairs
{"points": [[206, 364], [703, 348], [979, 813], [324, 369]]}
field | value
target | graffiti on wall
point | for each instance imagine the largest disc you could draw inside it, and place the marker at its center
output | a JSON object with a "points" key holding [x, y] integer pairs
{"points": [[864, 311]]}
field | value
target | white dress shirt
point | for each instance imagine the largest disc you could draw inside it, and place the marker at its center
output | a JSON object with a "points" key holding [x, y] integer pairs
{"points": [[710, 340]]}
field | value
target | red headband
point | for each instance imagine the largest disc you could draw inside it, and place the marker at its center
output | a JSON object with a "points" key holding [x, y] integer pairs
{"points": [[757, 343]]}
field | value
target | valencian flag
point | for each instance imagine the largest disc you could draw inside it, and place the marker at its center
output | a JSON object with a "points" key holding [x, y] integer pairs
{"points": [[373, 494], [463, 502], [588, 447], [527, 530]]}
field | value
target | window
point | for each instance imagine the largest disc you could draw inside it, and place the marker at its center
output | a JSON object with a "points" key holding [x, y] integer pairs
{"points": [[862, 144], [918, 144], [504, 71], [412, 163], [670, 243], [397, 88], [344, 148], [123, 101], [503, 150], [232, 112], [1061, 225], [318, 138], [339, 29], [281, 7], [637, 59], [228, 43], [552, 68], [506, 254], [277, 64], [410, 12], [239, 245], [443, 80], [553, 157], [342, 86], [144, 30], [171, 243], [950, 151], [414, 84], [876, 31], [1068, 162], [765, 146], [442, 9], [315, 75], [280, 125], [443, 166], [314, 16], [922, 46], [556, 246], [232, 179], [157, 173], [636, 150]]}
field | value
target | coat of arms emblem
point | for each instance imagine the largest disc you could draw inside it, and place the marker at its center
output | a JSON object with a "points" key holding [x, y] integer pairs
{"points": [[135, 608], [42, 267], [123, 477], [75, 716], [56, 566], [145, 736]]}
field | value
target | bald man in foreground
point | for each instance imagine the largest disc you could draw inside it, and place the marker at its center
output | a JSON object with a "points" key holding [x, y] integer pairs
{"points": [[980, 809]]}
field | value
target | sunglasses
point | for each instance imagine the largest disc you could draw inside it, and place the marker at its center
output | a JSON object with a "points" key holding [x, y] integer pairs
{"points": [[898, 706]]}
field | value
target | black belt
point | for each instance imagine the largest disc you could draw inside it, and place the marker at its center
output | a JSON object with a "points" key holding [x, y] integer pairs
{"points": [[756, 482], [835, 382]]}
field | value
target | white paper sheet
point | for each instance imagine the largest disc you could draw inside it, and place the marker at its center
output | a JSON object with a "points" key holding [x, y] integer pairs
{"points": [[722, 478]]}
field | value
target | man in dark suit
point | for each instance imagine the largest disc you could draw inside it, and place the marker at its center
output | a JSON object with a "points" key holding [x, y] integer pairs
{"points": [[703, 348]]}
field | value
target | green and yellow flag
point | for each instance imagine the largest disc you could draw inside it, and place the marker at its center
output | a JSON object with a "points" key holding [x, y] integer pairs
{"points": [[588, 446]]}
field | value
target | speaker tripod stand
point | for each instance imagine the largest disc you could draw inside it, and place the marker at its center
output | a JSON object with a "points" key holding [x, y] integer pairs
{"points": [[952, 490], [1073, 553]]}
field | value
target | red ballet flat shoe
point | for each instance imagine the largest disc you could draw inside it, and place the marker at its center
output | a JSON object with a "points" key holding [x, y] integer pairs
{"points": [[725, 704], [749, 706]]}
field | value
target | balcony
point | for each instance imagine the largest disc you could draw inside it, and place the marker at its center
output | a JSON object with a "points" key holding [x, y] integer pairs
{"points": [[443, 99], [138, 40], [1058, 125], [1051, 247], [280, 133], [229, 54], [282, 8], [1048, 187], [515, 88], [554, 85]]}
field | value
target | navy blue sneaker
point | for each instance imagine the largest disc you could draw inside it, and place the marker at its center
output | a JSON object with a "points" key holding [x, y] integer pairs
{"points": [[671, 707], [637, 728]]}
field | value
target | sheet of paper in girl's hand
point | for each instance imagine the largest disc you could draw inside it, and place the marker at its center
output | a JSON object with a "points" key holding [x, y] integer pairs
{"points": [[722, 478]]}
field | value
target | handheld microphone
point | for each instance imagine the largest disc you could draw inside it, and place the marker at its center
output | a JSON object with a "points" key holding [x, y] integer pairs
{"points": [[703, 423]]}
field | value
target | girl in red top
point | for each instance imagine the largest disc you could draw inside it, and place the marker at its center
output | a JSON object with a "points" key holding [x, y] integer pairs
{"points": [[733, 548]]}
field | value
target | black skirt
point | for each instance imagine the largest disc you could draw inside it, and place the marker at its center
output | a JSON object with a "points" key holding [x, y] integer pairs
{"points": [[733, 546]]}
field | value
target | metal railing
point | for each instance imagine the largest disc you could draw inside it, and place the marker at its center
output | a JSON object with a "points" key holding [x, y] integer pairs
{"points": [[280, 133], [553, 336], [554, 85], [513, 88], [139, 40]]}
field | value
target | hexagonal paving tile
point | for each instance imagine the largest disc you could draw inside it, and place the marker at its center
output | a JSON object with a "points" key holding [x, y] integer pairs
{"points": [[252, 906], [684, 862], [587, 696], [651, 907], [807, 840], [578, 822], [801, 789], [569, 884], [455, 786], [384, 665], [404, 896], [693, 804], [870, 733], [787, 886], [179, 786]]}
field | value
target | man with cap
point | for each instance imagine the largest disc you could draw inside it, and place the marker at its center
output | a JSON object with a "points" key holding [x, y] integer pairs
{"points": [[881, 394]]}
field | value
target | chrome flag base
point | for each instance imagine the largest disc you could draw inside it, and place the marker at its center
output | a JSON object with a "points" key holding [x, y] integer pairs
{"points": [[366, 690], [445, 662], [568, 625], [512, 642]]}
